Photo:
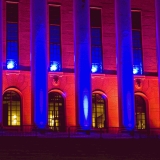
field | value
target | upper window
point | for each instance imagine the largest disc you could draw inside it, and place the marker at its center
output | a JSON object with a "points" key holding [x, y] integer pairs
{"points": [[54, 38], [137, 43], [11, 109], [96, 40], [98, 111], [12, 36]]}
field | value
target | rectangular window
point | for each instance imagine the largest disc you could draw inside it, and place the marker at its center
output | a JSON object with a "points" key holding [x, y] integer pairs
{"points": [[96, 40], [137, 43], [12, 35], [54, 38]]}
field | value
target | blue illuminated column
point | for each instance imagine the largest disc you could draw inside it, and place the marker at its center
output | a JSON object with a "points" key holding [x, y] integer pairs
{"points": [[124, 63], [1, 63], [39, 62], [82, 53], [157, 10]]}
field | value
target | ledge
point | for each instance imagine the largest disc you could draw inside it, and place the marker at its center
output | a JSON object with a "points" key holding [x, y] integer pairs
{"points": [[8, 72], [51, 74]]}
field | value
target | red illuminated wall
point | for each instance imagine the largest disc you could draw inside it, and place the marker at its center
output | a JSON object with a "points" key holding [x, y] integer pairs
{"points": [[20, 79], [149, 85], [105, 83]]}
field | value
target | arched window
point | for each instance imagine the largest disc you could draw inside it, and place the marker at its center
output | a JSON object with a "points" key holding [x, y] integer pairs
{"points": [[11, 108], [56, 114], [140, 109], [98, 111]]}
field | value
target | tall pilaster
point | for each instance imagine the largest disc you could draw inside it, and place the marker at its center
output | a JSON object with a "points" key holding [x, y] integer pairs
{"points": [[157, 11], [39, 62], [124, 63], [1, 62], [82, 53]]}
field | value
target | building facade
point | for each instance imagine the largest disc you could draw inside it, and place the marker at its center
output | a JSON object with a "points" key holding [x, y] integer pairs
{"points": [[90, 63]]}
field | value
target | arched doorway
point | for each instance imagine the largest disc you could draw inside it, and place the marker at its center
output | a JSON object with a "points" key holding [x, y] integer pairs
{"points": [[98, 111], [11, 108], [140, 112], [56, 114]]}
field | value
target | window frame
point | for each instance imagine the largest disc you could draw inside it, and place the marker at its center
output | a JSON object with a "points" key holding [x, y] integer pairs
{"points": [[100, 64], [17, 58], [11, 91], [105, 123], [62, 119], [60, 37], [145, 113], [141, 49]]}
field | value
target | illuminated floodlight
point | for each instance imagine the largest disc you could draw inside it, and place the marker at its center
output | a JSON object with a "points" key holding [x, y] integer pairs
{"points": [[85, 107], [135, 70], [10, 64], [94, 68], [53, 67]]}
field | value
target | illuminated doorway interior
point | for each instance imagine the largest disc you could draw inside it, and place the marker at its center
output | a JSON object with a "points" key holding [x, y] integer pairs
{"points": [[98, 111], [56, 114], [140, 109], [11, 109]]}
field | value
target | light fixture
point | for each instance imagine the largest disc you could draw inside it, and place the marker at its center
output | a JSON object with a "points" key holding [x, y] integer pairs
{"points": [[135, 70], [54, 66], [85, 107], [10, 64], [94, 68]]}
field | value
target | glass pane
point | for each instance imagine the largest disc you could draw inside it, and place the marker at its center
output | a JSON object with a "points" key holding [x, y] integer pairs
{"points": [[54, 15], [98, 111], [57, 111], [95, 17], [140, 108], [13, 110], [55, 34], [12, 12], [12, 31], [96, 49], [137, 51]]}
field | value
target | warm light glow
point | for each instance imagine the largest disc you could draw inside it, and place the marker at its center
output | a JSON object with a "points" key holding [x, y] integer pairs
{"points": [[94, 68], [52, 123], [14, 119], [51, 120], [10, 64], [14, 116]]}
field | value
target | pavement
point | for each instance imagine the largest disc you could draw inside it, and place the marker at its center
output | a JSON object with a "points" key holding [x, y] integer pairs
{"points": [[44, 148]]}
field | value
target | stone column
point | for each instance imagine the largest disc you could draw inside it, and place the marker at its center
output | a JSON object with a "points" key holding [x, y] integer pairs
{"points": [[39, 62], [157, 11], [1, 54], [124, 63], [82, 53]]}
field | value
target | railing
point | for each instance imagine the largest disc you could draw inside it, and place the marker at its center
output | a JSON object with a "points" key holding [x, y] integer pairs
{"points": [[78, 132]]}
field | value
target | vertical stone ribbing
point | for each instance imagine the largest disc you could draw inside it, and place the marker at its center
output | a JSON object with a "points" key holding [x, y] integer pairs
{"points": [[1, 53], [82, 51], [157, 11], [124, 63], [39, 62]]}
